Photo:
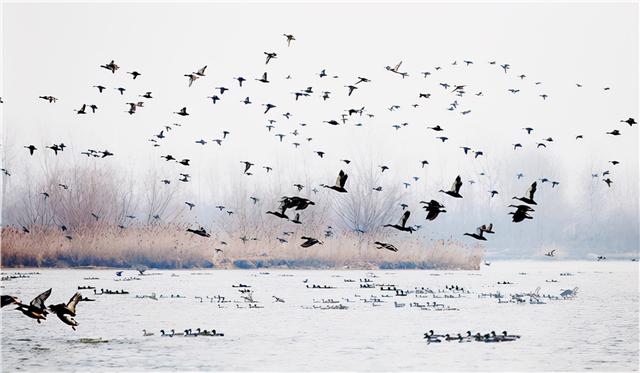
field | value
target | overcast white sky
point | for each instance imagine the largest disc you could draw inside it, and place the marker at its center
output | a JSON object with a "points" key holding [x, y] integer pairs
{"points": [[56, 49]]}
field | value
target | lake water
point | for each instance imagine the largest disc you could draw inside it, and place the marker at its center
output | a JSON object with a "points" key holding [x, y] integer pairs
{"points": [[595, 330]]}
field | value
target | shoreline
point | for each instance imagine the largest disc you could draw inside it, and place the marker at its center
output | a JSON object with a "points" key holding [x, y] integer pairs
{"points": [[303, 268]]}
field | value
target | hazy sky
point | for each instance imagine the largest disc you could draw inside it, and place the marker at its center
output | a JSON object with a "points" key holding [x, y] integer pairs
{"points": [[57, 49]]}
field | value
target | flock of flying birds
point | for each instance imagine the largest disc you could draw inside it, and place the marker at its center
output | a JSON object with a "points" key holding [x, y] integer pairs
{"points": [[37, 310], [522, 209]]}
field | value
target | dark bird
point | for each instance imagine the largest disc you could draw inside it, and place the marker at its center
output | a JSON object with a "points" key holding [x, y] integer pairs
{"points": [[268, 107], [82, 109], [487, 228], [455, 188], [31, 149], [528, 198], [478, 235], [614, 133], [629, 121], [521, 213], [264, 78], [111, 66], [550, 253], [608, 181], [401, 226], [200, 232], [310, 241], [51, 99], [247, 166], [297, 219], [299, 203], [290, 38], [388, 246], [100, 88], [9, 299], [36, 309], [201, 71], [270, 56], [433, 208], [66, 312], [351, 89], [192, 78], [340, 182], [182, 112], [280, 212], [191, 205]]}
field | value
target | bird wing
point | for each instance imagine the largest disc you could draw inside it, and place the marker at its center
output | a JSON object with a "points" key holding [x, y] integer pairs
{"points": [[342, 179], [480, 231], [532, 190], [264, 76], [397, 66], [38, 302], [457, 184], [71, 306], [404, 218]]}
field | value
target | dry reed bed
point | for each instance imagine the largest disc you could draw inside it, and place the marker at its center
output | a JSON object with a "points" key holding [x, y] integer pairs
{"points": [[170, 246]]}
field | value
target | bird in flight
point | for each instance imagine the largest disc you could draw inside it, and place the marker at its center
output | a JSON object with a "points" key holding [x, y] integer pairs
{"points": [[290, 38], [455, 188], [111, 66], [270, 56], [402, 224], [387, 246], [340, 182]]}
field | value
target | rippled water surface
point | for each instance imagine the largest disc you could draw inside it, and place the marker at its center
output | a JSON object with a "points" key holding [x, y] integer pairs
{"points": [[596, 330]]}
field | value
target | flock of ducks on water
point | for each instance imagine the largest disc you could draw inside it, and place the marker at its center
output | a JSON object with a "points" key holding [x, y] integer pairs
{"points": [[522, 209], [186, 333], [469, 337], [368, 291]]}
